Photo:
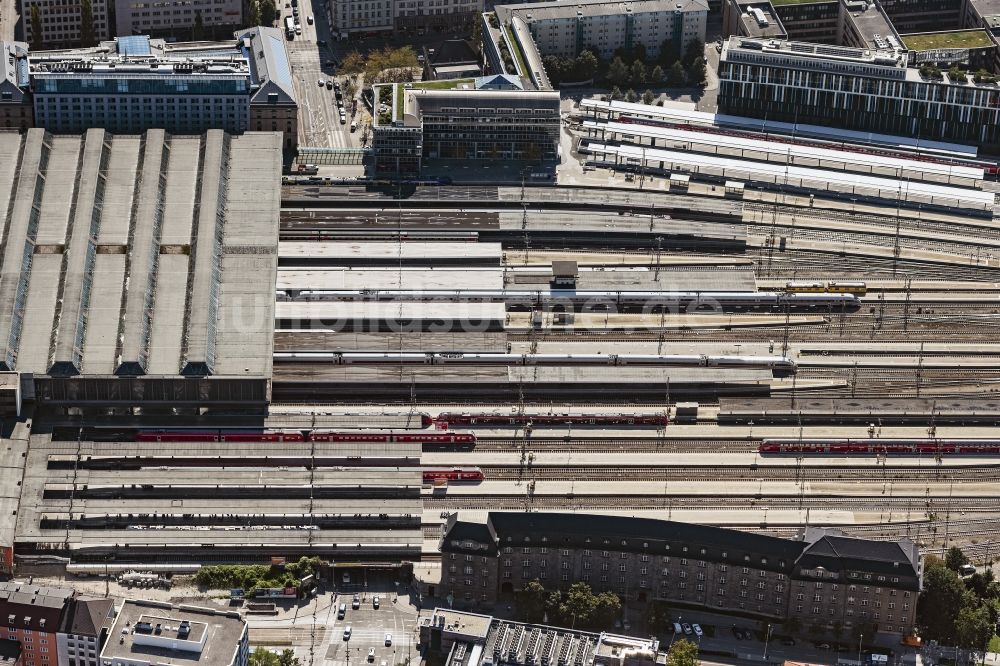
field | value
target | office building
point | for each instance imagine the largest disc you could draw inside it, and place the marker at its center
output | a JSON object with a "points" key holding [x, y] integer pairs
{"points": [[61, 22], [821, 577], [494, 118], [54, 626], [564, 29], [149, 633], [177, 18], [361, 18], [861, 89], [132, 84], [471, 639]]}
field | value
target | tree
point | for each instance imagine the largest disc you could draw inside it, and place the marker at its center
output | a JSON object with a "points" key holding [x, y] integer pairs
{"points": [[954, 559], [254, 13], [268, 12], [616, 93], [631, 96], [675, 77], [668, 52], [555, 68], [531, 601], [683, 653], [264, 657], [695, 49], [37, 42], [618, 73], [87, 37], [352, 63], [609, 607], [939, 604], [656, 76], [639, 52], [198, 31], [638, 73], [696, 72], [586, 65], [647, 97], [579, 603], [974, 630]]}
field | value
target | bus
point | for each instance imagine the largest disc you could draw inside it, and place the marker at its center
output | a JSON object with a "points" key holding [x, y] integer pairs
{"points": [[289, 27]]}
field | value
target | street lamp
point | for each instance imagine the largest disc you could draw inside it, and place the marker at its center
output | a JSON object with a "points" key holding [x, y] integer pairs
{"points": [[861, 637], [767, 640]]}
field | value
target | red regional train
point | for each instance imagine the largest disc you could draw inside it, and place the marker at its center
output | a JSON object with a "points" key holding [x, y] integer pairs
{"points": [[882, 446], [466, 419], [461, 438], [432, 474]]}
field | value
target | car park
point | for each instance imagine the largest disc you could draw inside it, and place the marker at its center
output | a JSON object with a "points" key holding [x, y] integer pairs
{"points": [[347, 633], [697, 630], [687, 629]]}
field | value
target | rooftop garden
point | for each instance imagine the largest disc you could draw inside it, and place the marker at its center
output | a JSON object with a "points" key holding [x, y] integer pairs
{"points": [[518, 56], [960, 39]]}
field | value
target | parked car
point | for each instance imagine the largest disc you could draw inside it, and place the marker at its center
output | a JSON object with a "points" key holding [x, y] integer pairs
{"points": [[388, 640], [309, 20], [677, 628], [376, 602], [321, 42], [321, 83], [342, 611], [687, 629], [697, 630], [371, 654], [356, 602], [347, 633]]}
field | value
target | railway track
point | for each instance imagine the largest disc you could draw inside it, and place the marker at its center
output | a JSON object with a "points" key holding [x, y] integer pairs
{"points": [[798, 473], [576, 501]]}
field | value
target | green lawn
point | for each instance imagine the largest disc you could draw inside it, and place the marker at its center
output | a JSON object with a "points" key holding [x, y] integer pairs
{"points": [[518, 56], [444, 84], [399, 102], [961, 39]]}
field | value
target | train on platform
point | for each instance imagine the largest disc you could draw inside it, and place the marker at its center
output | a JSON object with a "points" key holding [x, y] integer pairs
{"points": [[648, 301], [933, 447], [467, 419], [777, 363], [856, 287], [989, 168], [445, 474], [267, 436]]}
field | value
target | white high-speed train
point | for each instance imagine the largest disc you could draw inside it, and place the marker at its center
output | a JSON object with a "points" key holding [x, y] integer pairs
{"points": [[594, 299], [779, 363]]}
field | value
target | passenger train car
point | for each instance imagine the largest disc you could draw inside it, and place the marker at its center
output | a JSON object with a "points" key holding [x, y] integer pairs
{"points": [[779, 363], [651, 301], [440, 474], [306, 436], [496, 419], [881, 446]]}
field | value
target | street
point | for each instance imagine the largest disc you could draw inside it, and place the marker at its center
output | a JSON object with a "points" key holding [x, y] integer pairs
{"points": [[319, 117]]}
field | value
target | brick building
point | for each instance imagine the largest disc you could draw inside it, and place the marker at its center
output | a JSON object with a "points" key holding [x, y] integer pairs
{"points": [[54, 626], [821, 577]]}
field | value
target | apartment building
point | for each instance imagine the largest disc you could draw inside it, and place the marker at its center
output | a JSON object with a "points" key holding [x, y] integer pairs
{"points": [[55, 626], [176, 18], [15, 101], [149, 633], [862, 89], [132, 84], [564, 29], [493, 119], [61, 22], [361, 17], [821, 577]]}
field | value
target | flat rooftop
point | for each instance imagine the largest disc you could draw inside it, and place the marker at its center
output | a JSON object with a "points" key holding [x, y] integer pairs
{"points": [[300, 279], [213, 637], [556, 9], [957, 39], [149, 255], [872, 24], [242, 497], [753, 27]]}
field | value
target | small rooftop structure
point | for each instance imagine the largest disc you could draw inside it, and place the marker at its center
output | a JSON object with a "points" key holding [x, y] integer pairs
{"points": [[160, 633]]}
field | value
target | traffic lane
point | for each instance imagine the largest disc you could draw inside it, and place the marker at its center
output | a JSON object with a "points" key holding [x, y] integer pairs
{"points": [[369, 627]]}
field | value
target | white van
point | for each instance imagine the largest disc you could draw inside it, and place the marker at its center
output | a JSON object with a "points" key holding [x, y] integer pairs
{"points": [[354, 125], [342, 611]]}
